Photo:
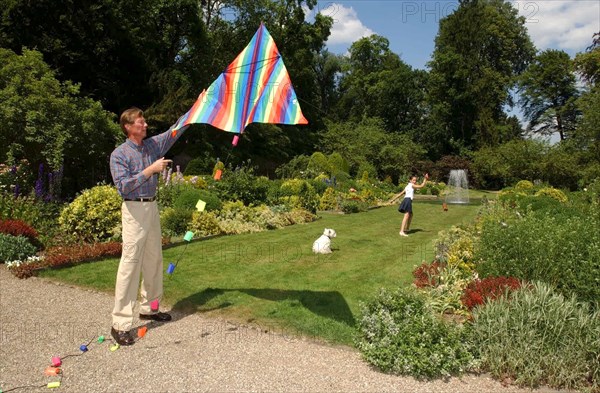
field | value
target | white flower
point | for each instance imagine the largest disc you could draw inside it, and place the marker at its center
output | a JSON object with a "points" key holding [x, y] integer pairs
{"points": [[17, 263]]}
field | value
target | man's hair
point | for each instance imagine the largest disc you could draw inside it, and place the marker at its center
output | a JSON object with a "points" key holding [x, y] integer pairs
{"points": [[129, 116]]}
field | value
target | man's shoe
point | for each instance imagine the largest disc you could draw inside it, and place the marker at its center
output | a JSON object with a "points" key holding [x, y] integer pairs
{"points": [[121, 337], [159, 317]]}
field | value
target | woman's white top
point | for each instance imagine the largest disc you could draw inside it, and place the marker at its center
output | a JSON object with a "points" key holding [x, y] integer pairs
{"points": [[409, 191]]}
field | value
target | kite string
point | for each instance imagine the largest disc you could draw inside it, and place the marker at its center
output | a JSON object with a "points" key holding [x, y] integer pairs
{"points": [[314, 106]]}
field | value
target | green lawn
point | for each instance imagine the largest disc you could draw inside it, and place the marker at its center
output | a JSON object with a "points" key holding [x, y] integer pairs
{"points": [[272, 280]]}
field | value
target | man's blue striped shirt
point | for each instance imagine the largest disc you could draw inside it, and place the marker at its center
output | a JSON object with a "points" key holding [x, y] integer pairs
{"points": [[129, 160]]}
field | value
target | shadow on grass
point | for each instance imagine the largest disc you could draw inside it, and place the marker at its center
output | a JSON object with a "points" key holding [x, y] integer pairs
{"points": [[328, 304]]}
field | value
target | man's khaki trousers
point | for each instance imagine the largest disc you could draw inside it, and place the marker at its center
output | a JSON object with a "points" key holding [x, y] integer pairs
{"points": [[142, 253]]}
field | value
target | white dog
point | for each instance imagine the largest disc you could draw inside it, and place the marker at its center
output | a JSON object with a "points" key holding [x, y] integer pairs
{"points": [[323, 244]]}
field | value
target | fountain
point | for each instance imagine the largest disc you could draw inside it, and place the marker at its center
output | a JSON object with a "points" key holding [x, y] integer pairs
{"points": [[458, 187]]}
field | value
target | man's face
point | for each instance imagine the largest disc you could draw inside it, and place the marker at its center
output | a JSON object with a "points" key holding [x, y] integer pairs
{"points": [[138, 128]]}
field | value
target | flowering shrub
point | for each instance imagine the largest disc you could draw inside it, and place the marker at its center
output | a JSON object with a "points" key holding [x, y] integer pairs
{"points": [[427, 274], [524, 186], [95, 215], [509, 197], [175, 221], [445, 297], [328, 200], [29, 260], [67, 255], [40, 215], [235, 218], [241, 184], [445, 240], [64, 255], [460, 254], [189, 198], [268, 218], [205, 224], [17, 228], [553, 193], [478, 292], [298, 193], [399, 334], [15, 248], [300, 216]]}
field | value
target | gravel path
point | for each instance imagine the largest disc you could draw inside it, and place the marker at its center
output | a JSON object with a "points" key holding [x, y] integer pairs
{"points": [[40, 319]]}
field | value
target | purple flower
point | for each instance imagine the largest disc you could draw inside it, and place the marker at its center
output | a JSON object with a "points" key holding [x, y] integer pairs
{"points": [[168, 177], [39, 183]]}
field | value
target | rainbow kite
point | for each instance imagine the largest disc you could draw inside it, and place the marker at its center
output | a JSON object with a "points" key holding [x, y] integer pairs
{"points": [[255, 87]]}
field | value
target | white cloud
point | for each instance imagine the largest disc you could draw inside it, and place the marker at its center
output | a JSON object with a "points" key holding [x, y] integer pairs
{"points": [[561, 24], [347, 28]]}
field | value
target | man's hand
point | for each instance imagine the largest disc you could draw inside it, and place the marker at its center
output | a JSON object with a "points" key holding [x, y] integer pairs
{"points": [[159, 165]]}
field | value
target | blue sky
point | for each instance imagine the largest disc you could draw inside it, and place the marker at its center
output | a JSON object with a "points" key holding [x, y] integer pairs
{"points": [[412, 25]]}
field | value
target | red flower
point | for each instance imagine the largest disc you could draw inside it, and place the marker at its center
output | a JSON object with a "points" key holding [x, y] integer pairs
{"points": [[427, 275], [488, 289], [17, 228]]}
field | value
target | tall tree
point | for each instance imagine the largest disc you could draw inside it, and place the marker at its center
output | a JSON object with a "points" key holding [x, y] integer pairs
{"points": [[120, 51], [327, 71], [588, 63], [479, 51], [377, 83], [45, 121], [588, 132], [548, 94]]}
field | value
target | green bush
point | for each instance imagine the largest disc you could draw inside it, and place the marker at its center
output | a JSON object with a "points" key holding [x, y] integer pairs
{"points": [[557, 249], [349, 206], [337, 163], [212, 200], [15, 248], [536, 336], [552, 193], [319, 163], [295, 168], [199, 166], [541, 203], [300, 194], [188, 200], [399, 334], [40, 215], [242, 185], [445, 295], [328, 200], [167, 194], [319, 184], [524, 186], [268, 218], [95, 215], [174, 221], [204, 224], [300, 216], [368, 168]]}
